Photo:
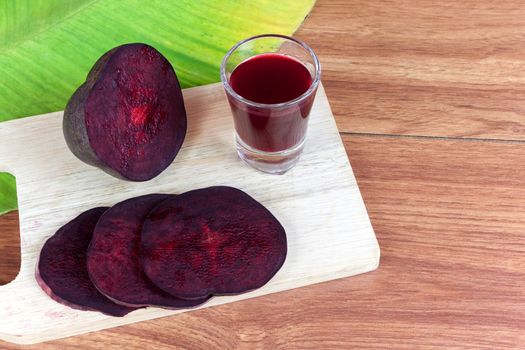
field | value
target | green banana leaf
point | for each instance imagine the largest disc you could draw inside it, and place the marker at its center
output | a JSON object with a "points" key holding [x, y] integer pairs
{"points": [[48, 46], [8, 193]]}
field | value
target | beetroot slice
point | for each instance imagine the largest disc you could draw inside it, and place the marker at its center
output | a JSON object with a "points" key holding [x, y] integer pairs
{"points": [[211, 241], [128, 118], [61, 270], [113, 259]]}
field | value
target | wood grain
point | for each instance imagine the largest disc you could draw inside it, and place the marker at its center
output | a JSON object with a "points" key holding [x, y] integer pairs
{"points": [[421, 67], [450, 225], [9, 247]]}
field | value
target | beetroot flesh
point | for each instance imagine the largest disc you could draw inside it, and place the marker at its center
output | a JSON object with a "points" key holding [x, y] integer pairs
{"points": [[61, 270], [113, 258], [128, 118], [211, 241]]}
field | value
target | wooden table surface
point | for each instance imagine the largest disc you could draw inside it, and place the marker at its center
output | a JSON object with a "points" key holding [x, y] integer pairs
{"points": [[430, 101]]}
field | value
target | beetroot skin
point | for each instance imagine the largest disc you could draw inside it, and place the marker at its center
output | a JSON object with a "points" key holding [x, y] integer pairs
{"points": [[212, 241], [61, 270], [113, 260], [128, 118]]}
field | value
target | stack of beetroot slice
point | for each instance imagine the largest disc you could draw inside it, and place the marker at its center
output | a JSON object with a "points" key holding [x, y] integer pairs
{"points": [[169, 251]]}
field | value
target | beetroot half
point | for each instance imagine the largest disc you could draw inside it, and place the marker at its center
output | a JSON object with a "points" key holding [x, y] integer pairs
{"points": [[61, 270], [113, 258], [128, 118], [211, 241]]}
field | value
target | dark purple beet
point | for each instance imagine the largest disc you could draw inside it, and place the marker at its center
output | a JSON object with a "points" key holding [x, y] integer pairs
{"points": [[61, 270], [128, 118], [113, 258], [211, 241]]}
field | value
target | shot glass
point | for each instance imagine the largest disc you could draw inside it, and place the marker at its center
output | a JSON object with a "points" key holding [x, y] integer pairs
{"points": [[271, 81]]}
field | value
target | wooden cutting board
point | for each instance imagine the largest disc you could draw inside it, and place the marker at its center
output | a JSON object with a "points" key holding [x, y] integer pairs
{"points": [[318, 202]]}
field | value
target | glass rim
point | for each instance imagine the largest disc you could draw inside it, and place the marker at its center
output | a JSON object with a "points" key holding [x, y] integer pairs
{"points": [[307, 93]]}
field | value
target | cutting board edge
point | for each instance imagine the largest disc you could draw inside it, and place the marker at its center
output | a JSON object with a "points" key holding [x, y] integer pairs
{"points": [[37, 338]]}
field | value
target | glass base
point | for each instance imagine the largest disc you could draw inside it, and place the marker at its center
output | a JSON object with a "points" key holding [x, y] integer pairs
{"points": [[269, 162]]}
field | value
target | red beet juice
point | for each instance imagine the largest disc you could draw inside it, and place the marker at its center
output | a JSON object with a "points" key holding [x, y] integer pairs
{"points": [[271, 79]]}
